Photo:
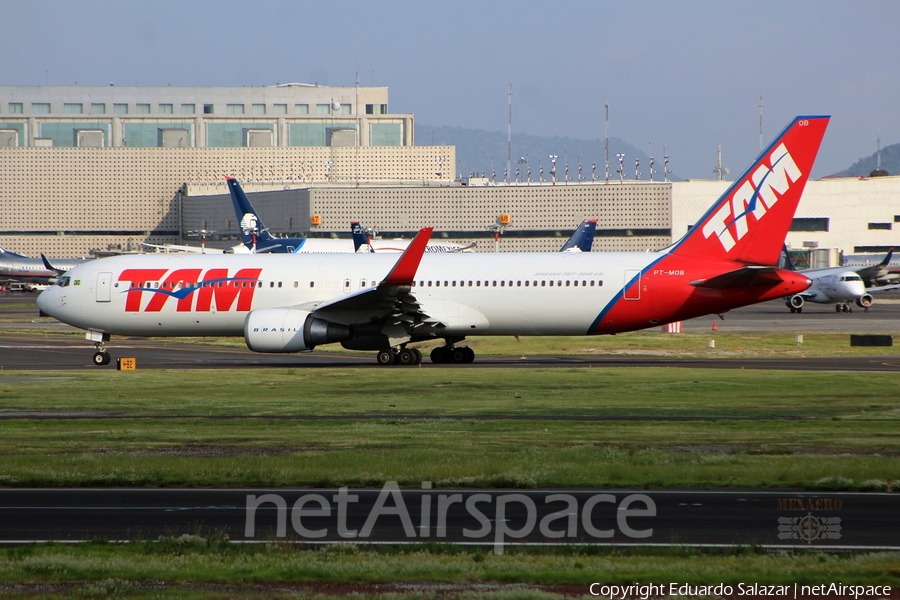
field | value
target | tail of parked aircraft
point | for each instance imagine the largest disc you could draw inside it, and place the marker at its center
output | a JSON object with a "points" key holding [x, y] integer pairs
{"points": [[242, 208], [750, 222], [7, 253], [582, 239], [360, 238]]}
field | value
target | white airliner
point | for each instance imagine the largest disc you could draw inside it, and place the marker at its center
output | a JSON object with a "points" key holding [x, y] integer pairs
{"points": [[382, 303], [840, 286]]}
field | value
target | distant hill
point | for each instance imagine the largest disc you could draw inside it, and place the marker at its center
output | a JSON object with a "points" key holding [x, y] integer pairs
{"points": [[890, 162], [476, 148]]}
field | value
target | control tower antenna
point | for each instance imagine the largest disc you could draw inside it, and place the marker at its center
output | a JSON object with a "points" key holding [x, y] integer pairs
{"points": [[760, 123], [878, 153], [509, 135], [719, 170], [606, 111]]}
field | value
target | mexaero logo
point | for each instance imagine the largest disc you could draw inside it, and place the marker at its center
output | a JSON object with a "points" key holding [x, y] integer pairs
{"points": [[215, 290], [755, 197]]}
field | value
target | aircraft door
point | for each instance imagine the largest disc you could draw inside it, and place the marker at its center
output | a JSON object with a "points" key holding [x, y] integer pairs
{"points": [[103, 286], [346, 286], [634, 291]]}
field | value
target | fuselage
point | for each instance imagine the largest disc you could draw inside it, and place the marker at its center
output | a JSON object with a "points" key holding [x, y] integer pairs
{"points": [[836, 284], [470, 294], [32, 270]]}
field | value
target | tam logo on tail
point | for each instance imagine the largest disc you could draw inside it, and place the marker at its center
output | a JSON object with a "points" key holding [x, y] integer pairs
{"points": [[754, 197], [751, 220]]}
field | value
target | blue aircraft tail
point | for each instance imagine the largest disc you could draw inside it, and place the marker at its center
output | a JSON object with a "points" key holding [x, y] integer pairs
{"points": [[360, 238], [242, 207], [583, 238]]}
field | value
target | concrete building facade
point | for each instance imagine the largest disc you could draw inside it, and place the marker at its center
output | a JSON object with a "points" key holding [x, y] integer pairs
{"points": [[537, 217]]}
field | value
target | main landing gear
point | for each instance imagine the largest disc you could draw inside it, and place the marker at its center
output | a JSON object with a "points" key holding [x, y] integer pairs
{"points": [[440, 355], [457, 354], [404, 357]]}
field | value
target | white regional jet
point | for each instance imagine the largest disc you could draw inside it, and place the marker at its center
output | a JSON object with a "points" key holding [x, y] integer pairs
{"points": [[839, 286], [382, 303]]}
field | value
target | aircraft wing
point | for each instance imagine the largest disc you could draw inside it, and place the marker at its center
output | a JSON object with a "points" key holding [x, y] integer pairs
{"points": [[390, 303], [739, 278], [883, 288]]}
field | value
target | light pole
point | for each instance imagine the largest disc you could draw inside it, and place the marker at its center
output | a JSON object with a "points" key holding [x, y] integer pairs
{"points": [[621, 157]]}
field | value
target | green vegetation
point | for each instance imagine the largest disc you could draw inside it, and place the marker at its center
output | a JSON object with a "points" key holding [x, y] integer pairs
{"points": [[655, 427], [192, 566], [513, 427]]}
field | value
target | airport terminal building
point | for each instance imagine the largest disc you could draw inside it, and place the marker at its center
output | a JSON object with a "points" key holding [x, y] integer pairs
{"points": [[84, 168]]}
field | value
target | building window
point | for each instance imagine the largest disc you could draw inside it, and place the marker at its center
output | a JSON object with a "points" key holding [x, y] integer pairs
{"points": [[279, 109], [143, 109], [346, 109], [188, 109], [880, 225], [384, 109], [301, 109], [16, 108], [98, 108], [234, 109], [323, 109], [166, 109], [810, 224], [259, 109], [370, 109], [208, 109], [40, 108], [896, 217], [73, 108], [120, 109]]}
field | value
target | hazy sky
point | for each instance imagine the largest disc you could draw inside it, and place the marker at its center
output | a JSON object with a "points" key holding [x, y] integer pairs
{"points": [[682, 74]]}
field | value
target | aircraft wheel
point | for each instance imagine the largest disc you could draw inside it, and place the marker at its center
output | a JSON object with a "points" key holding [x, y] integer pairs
{"points": [[470, 355], [837, 308], [418, 355], [440, 355], [793, 310], [406, 357], [102, 358], [800, 310], [386, 357], [458, 355]]}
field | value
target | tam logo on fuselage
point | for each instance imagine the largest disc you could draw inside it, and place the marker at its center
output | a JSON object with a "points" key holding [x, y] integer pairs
{"points": [[754, 197], [215, 289]]}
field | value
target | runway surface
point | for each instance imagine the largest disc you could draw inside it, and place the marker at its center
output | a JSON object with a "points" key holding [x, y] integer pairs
{"points": [[45, 344], [832, 520]]}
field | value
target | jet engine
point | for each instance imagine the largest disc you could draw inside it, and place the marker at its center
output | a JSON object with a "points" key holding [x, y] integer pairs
{"points": [[795, 301], [865, 301], [289, 330]]}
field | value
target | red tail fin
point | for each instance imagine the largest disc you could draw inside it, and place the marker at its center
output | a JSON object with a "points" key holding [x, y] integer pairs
{"points": [[751, 220]]}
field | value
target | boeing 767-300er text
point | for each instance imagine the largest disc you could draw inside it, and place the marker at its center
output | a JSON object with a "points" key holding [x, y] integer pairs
{"points": [[379, 302]]}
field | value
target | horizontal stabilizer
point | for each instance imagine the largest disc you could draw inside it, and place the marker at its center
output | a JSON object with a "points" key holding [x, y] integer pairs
{"points": [[740, 278]]}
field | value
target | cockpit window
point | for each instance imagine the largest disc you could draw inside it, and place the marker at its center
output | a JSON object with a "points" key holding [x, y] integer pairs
{"points": [[851, 278], [63, 281]]}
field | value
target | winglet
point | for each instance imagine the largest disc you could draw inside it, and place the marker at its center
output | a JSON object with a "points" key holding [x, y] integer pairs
{"points": [[49, 266], [404, 271], [887, 259]]}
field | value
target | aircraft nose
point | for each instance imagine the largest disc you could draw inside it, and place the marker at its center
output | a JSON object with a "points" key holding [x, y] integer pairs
{"points": [[49, 300]]}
